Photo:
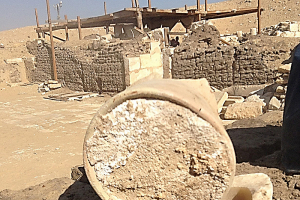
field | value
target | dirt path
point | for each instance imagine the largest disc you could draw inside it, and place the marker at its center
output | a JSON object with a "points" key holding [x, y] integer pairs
{"points": [[40, 139]]}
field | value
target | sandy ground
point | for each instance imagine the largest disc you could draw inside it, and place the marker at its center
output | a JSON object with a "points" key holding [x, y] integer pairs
{"points": [[40, 139]]}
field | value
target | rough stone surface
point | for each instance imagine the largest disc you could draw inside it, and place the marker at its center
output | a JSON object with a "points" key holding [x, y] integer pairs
{"points": [[243, 110], [255, 98], [154, 149], [285, 68], [274, 104]]}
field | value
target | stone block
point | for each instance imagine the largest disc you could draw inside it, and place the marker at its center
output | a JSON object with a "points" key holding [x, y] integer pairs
{"points": [[274, 104], [145, 60], [255, 98], [258, 184], [51, 82], [280, 89], [54, 86], [244, 110], [135, 76], [287, 34], [155, 48], [233, 99], [293, 27], [14, 61], [297, 34], [285, 68], [133, 63], [221, 97]]}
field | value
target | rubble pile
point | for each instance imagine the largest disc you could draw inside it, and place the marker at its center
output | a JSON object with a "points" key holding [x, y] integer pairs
{"points": [[49, 85], [283, 29], [235, 106]]}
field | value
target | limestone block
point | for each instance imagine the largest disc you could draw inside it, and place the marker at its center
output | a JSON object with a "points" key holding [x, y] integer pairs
{"points": [[285, 68], [293, 27], [253, 31], [158, 71], [233, 99], [156, 60], [297, 34], [135, 76], [133, 63], [274, 104], [155, 48], [255, 98], [281, 80], [221, 97], [243, 110], [259, 184], [14, 61], [239, 33], [288, 34], [54, 86], [280, 89], [51, 82], [145, 60]]}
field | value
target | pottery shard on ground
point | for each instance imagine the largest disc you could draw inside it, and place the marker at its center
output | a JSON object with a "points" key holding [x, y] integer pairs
{"points": [[244, 110], [274, 104], [259, 184]]}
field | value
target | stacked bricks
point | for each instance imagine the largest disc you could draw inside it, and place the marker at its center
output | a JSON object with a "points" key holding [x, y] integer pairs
{"points": [[92, 67], [214, 64], [250, 66]]}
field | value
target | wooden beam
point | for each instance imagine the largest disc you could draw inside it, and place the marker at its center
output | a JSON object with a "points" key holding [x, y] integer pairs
{"points": [[185, 7], [79, 27], [132, 3], [259, 16], [37, 22], [206, 7], [52, 43], [105, 11], [149, 3], [55, 37], [66, 28]]}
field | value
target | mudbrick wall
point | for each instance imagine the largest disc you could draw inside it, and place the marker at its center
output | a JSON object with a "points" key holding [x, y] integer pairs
{"points": [[89, 66], [203, 55]]}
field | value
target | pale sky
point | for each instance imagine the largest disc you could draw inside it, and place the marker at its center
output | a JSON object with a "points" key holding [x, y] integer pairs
{"points": [[20, 13]]}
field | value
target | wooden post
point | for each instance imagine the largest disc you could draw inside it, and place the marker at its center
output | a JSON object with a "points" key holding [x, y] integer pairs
{"points": [[198, 5], [166, 33], [66, 28], [149, 3], [185, 7], [206, 5], [51, 41], [105, 12], [259, 17], [132, 3], [37, 22], [79, 27], [137, 3]]}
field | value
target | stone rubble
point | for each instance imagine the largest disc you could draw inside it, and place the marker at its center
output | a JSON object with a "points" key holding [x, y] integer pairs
{"points": [[283, 29], [49, 85]]}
